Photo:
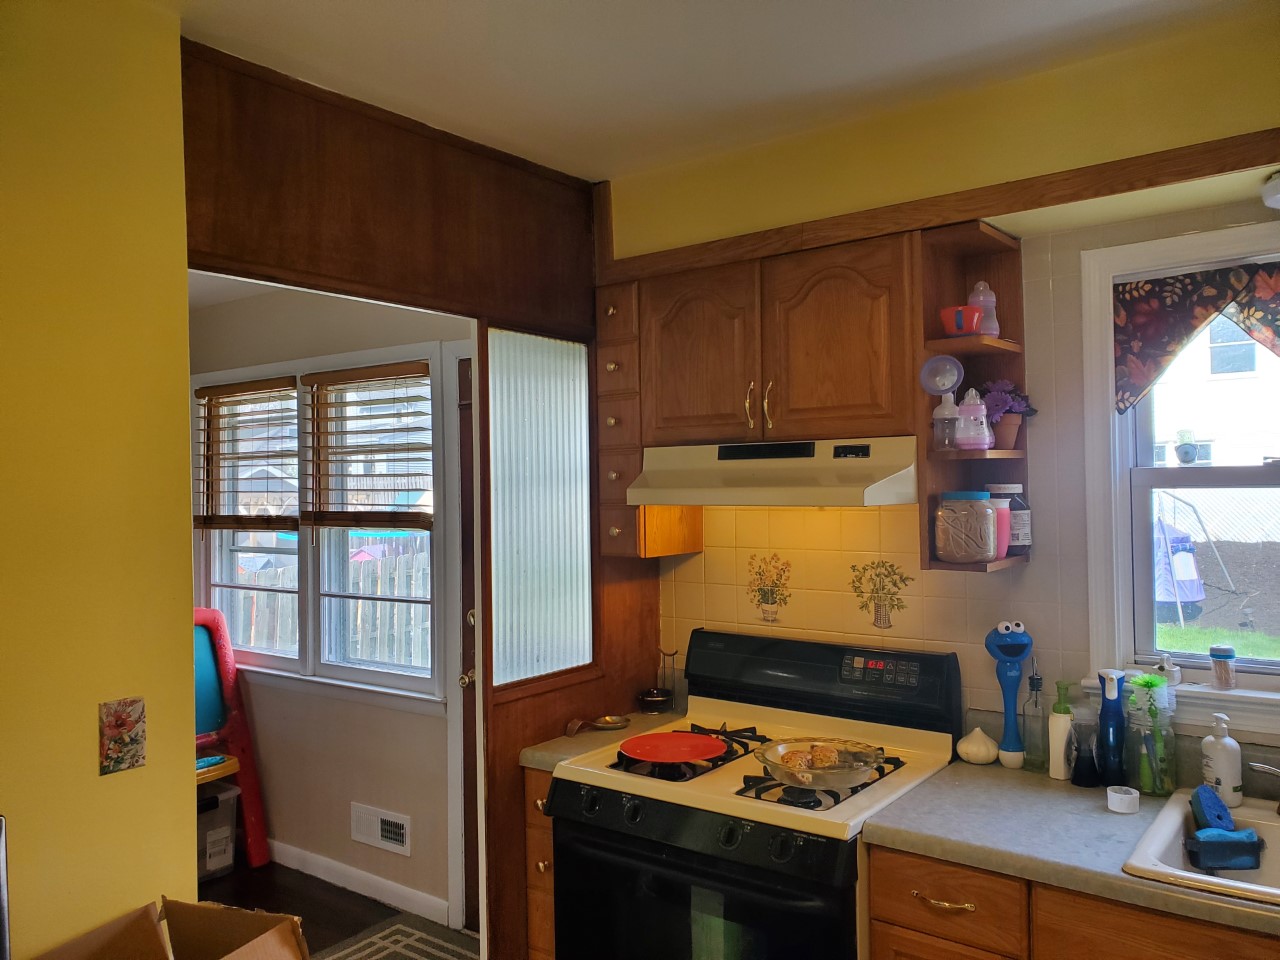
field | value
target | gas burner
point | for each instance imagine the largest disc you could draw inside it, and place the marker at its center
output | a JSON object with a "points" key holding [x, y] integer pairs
{"points": [[767, 788], [738, 743]]}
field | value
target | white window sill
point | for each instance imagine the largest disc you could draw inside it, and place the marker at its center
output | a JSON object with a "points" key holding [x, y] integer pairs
{"points": [[388, 698], [1251, 711]]}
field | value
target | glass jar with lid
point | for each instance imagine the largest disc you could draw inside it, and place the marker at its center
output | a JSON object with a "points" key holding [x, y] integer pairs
{"points": [[964, 527]]}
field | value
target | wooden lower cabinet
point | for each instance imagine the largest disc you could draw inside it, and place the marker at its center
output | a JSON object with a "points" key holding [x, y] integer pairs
{"points": [[926, 908], [539, 867]]}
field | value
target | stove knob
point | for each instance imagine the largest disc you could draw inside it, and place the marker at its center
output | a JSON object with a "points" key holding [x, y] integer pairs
{"points": [[782, 847], [590, 802], [730, 835], [633, 812]]}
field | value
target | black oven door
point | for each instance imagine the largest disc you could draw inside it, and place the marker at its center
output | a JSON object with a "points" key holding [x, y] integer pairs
{"points": [[627, 898]]}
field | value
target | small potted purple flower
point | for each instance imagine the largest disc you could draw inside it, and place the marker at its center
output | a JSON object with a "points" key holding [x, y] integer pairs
{"points": [[1006, 408]]}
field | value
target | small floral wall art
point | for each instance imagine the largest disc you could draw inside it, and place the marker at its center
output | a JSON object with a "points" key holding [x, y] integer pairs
{"points": [[122, 735], [877, 585], [768, 584]]}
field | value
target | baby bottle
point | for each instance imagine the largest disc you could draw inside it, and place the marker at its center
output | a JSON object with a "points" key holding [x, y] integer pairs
{"points": [[972, 430]]}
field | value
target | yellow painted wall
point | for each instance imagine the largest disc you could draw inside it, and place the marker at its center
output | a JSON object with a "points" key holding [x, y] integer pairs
{"points": [[1215, 80], [95, 579]]}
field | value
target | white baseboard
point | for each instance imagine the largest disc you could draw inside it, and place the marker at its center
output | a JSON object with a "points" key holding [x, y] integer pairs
{"points": [[349, 878]]}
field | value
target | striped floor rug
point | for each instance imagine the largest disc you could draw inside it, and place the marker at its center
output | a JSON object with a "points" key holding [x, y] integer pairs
{"points": [[405, 937]]}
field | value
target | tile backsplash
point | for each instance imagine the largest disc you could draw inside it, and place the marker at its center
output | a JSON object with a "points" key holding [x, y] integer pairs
{"points": [[944, 611]]}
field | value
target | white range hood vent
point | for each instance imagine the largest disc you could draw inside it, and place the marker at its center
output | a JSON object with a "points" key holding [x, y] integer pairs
{"points": [[811, 473]]}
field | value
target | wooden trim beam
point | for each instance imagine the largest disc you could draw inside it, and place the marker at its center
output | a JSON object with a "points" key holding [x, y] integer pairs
{"points": [[1178, 165]]}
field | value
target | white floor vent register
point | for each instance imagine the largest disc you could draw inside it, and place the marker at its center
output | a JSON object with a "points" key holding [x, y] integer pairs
{"points": [[380, 828]]}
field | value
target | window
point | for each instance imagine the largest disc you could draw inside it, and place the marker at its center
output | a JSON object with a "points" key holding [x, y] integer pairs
{"points": [[1206, 519], [315, 499], [1231, 350]]}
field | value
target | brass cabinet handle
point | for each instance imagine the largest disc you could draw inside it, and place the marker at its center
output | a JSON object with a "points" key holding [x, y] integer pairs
{"points": [[613, 474], [543, 866], [611, 421], [943, 904], [540, 804], [612, 367], [467, 679], [615, 531], [746, 405], [611, 311], [768, 421]]}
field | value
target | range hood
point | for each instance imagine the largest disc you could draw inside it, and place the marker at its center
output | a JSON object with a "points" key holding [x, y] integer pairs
{"points": [[817, 473]]}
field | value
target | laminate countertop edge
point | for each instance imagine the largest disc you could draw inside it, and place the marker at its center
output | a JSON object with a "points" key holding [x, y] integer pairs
{"points": [[545, 756], [1025, 825]]}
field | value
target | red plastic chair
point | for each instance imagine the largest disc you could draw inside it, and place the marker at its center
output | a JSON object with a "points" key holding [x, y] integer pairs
{"points": [[232, 737]]}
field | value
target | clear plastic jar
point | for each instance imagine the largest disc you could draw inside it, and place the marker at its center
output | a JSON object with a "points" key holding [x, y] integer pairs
{"points": [[1151, 757], [964, 527]]}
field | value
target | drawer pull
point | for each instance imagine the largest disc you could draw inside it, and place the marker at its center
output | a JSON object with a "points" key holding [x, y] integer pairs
{"points": [[615, 531], [613, 474], [543, 866], [541, 805], [612, 366], [611, 421], [943, 904], [611, 311]]}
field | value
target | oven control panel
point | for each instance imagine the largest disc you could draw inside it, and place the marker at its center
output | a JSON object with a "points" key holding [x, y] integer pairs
{"points": [[881, 670]]}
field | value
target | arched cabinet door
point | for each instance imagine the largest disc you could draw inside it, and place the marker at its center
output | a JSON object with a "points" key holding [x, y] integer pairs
{"points": [[700, 356], [837, 345]]}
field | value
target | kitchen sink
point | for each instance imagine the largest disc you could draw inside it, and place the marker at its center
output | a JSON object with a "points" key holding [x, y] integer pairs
{"points": [[1159, 855]]}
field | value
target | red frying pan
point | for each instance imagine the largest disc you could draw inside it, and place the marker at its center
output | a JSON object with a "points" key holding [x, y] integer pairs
{"points": [[673, 747]]}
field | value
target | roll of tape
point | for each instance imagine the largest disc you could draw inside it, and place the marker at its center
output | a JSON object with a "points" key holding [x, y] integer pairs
{"points": [[1122, 799]]}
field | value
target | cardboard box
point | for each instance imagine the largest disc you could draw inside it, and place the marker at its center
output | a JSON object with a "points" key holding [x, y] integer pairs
{"points": [[197, 931]]}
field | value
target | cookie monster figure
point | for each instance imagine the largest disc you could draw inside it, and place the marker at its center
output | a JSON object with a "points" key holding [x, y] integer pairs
{"points": [[1009, 644]]}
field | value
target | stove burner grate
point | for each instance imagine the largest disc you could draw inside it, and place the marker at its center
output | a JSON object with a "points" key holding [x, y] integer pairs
{"points": [[807, 798], [738, 743]]}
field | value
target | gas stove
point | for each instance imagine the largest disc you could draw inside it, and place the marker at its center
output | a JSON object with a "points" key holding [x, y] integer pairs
{"points": [[723, 860]]}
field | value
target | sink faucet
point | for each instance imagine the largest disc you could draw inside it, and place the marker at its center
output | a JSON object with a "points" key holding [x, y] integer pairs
{"points": [[1270, 771]]}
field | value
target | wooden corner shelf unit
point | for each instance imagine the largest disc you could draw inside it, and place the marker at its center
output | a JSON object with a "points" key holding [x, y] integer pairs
{"points": [[952, 260]]}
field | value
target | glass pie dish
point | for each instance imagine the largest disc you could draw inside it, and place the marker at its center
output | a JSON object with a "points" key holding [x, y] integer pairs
{"points": [[819, 763]]}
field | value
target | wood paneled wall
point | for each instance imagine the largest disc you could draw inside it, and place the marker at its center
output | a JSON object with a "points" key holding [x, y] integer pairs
{"points": [[291, 183]]}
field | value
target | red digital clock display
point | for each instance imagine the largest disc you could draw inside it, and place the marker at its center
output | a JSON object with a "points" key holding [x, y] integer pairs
{"points": [[875, 664]]}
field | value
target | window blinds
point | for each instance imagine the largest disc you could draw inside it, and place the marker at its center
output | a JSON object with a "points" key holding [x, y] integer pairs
{"points": [[370, 463], [246, 463]]}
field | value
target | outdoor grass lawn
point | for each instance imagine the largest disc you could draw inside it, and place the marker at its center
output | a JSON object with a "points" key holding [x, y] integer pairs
{"points": [[1171, 637]]}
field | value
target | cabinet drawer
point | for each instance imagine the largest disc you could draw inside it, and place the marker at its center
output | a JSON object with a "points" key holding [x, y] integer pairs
{"points": [[536, 785], [618, 532], [616, 473], [542, 923], [616, 312], [618, 422], [894, 943], [537, 854], [618, 367], [974, 907]]}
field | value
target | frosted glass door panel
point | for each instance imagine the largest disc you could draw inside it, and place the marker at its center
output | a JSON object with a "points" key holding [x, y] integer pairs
{"points": [[540, 504]]}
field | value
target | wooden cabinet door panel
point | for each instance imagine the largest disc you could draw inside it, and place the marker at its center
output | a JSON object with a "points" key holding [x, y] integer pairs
{"points": [[836, 341], [894, 943], [1067, 925], [700, 352]]}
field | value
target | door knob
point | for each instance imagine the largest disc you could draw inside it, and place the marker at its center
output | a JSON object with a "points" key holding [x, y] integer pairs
{"points": [[471, 617], [467, 679]]}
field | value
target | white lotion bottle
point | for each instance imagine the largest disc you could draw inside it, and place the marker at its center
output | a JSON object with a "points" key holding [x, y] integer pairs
{"points": [[1220, 760], [1060, 733]]}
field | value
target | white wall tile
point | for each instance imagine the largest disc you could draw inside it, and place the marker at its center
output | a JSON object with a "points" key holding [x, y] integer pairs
{"points": [[860, 529], [821, 528], [720, 564], [690, 568], [752, 529], [721, 603], [667, 598], [786, 528], [690, 604], [719, 526]]}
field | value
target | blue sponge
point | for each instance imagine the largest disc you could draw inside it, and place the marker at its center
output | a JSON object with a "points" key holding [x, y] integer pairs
{"points": [[1209, 810], [1213, 849]]}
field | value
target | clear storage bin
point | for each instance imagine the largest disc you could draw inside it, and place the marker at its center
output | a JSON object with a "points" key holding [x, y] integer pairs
{"points": [[964, 527]]}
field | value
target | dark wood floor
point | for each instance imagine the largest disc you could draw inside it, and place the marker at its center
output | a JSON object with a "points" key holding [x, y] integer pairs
{"points": [[329, 914]]}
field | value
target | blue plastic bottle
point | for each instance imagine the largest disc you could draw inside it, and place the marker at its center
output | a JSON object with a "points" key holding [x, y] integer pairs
{"points": [[1111, 729]]}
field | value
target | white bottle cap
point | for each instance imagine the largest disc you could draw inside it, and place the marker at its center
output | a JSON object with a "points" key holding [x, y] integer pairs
{"points": [[1122, 799], [946, 408]]}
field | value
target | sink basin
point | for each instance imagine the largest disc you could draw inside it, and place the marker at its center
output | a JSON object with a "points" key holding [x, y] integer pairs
{"points": [[1159, 855]]}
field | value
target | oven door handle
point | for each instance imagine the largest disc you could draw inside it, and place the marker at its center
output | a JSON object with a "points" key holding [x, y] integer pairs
{"points": [[739, 888]]}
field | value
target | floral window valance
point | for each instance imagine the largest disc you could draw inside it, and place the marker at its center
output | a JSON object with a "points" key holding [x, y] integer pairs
{"points": [[1155, 319]]}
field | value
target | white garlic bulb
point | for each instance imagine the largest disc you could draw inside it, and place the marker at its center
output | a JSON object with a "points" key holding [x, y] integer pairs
{"points": [[977, 747]]}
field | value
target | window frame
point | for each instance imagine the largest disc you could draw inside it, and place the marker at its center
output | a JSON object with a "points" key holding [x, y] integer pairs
{"points": [[309, 665], [1111, 453]]}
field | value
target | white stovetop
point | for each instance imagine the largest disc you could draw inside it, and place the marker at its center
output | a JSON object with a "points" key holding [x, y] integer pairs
{"points": [[924, 753]]}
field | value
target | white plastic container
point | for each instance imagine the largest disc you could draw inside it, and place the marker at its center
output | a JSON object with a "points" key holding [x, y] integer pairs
{"points": [[983, 296], [946, 415], [215, 828], [1220, 758]]}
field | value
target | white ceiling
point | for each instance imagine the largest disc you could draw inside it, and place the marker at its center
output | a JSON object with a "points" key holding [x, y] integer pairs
{"points": [[603, 88]]}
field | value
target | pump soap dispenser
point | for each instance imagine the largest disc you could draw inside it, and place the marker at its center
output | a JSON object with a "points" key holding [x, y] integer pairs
{"points": [[1220, 758], [1111, 728]]}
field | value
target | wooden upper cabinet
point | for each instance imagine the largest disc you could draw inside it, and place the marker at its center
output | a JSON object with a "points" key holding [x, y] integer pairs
{"points": [[837, 346], [700, 356]]}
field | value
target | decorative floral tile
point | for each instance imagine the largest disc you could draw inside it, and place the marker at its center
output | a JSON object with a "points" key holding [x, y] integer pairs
{"points": [[122, 735]]}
